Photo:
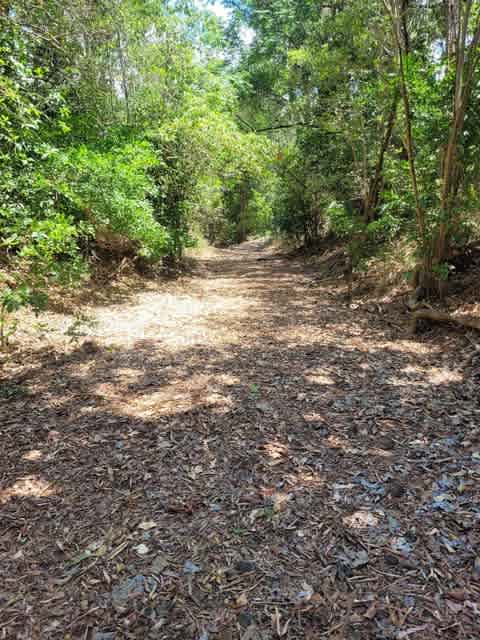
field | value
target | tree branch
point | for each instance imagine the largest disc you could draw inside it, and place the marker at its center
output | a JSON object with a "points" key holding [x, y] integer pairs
{"points": [[289, 126]]}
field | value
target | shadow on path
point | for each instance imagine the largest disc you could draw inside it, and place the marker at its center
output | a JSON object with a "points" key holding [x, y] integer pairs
{"points": [[253, 420]]}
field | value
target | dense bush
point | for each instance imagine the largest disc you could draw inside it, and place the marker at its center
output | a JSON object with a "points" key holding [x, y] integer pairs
{"points": [[110, 137]]}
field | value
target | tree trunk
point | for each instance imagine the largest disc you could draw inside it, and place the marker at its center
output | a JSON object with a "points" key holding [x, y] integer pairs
{"points": [[397, 10], [430, 315], [123, 69], [452, 9], [466, 60], [242, 225], [375, 186]]}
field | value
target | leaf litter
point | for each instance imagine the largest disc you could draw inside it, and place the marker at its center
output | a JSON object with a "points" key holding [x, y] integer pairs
{"points": [[244, 457]]}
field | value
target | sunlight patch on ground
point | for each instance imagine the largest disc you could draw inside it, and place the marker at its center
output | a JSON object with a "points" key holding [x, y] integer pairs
{"points": [[395, 381], [426, 377], [381, 453], [228, 380], [28, 487], [342, 444], [33, 455], [319, 377], [361, 520], [443, 376], [409, 347], [275, 450], [182, 394], [314, 417], [174, 321], [335, 442], [127, 374], [307, 480]]}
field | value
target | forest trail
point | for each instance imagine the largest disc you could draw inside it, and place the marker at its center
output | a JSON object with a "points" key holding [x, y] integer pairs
{"points": [[241, 456]]}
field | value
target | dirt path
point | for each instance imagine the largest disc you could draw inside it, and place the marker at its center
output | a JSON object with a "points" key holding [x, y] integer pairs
{"points": [[241, 457]]}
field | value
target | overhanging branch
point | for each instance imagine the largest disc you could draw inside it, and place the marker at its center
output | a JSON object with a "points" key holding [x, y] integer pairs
{"points": [[289, 126]]}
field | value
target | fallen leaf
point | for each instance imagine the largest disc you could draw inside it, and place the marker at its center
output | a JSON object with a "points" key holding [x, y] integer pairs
{"points": [[306, 594], [141, 549], [159, 564], [280, 501], [457, 594], [190, 567], [241, 601], [280, 630]]}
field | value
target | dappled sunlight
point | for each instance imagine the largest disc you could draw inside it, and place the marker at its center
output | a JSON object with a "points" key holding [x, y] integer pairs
{"points": [[395, 381], [28, 487], [361, 519], [306, 480], [302, 304], [275, 450], [320, 377], [425, 377], [33, 455], [314, 418], [381, 453], [409, 347], [270, 426], [177, 321], [437, 376], [179, 394], [227, 380], [239, 316], [335, 442]]}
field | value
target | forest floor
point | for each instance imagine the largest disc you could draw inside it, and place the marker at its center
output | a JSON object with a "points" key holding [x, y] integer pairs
{"points": [[239, 455]]}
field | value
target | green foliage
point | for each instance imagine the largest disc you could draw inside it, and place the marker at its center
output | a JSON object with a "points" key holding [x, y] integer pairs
{"points": [[342, 222], [325, 82], [203, 182], [111, 190], [363, 239], [121, 135], [151, 123]]}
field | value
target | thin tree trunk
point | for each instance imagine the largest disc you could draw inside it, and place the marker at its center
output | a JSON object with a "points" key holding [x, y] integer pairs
{"points": [[453, 25], [375, 186], [242, 226], [123, 70], [398, 18], [466, 62]]}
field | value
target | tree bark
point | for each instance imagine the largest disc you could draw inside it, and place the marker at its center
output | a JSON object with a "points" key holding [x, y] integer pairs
{"points": [[242, 225], [123, 70], [439, 317], [375, 186], [466, 60], [397, 11], [452, 9]]}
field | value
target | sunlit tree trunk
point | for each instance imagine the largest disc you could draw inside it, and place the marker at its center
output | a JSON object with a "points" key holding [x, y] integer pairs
{"points": [[452, 10], [464, 58], [463, 42], [124, 75]]}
